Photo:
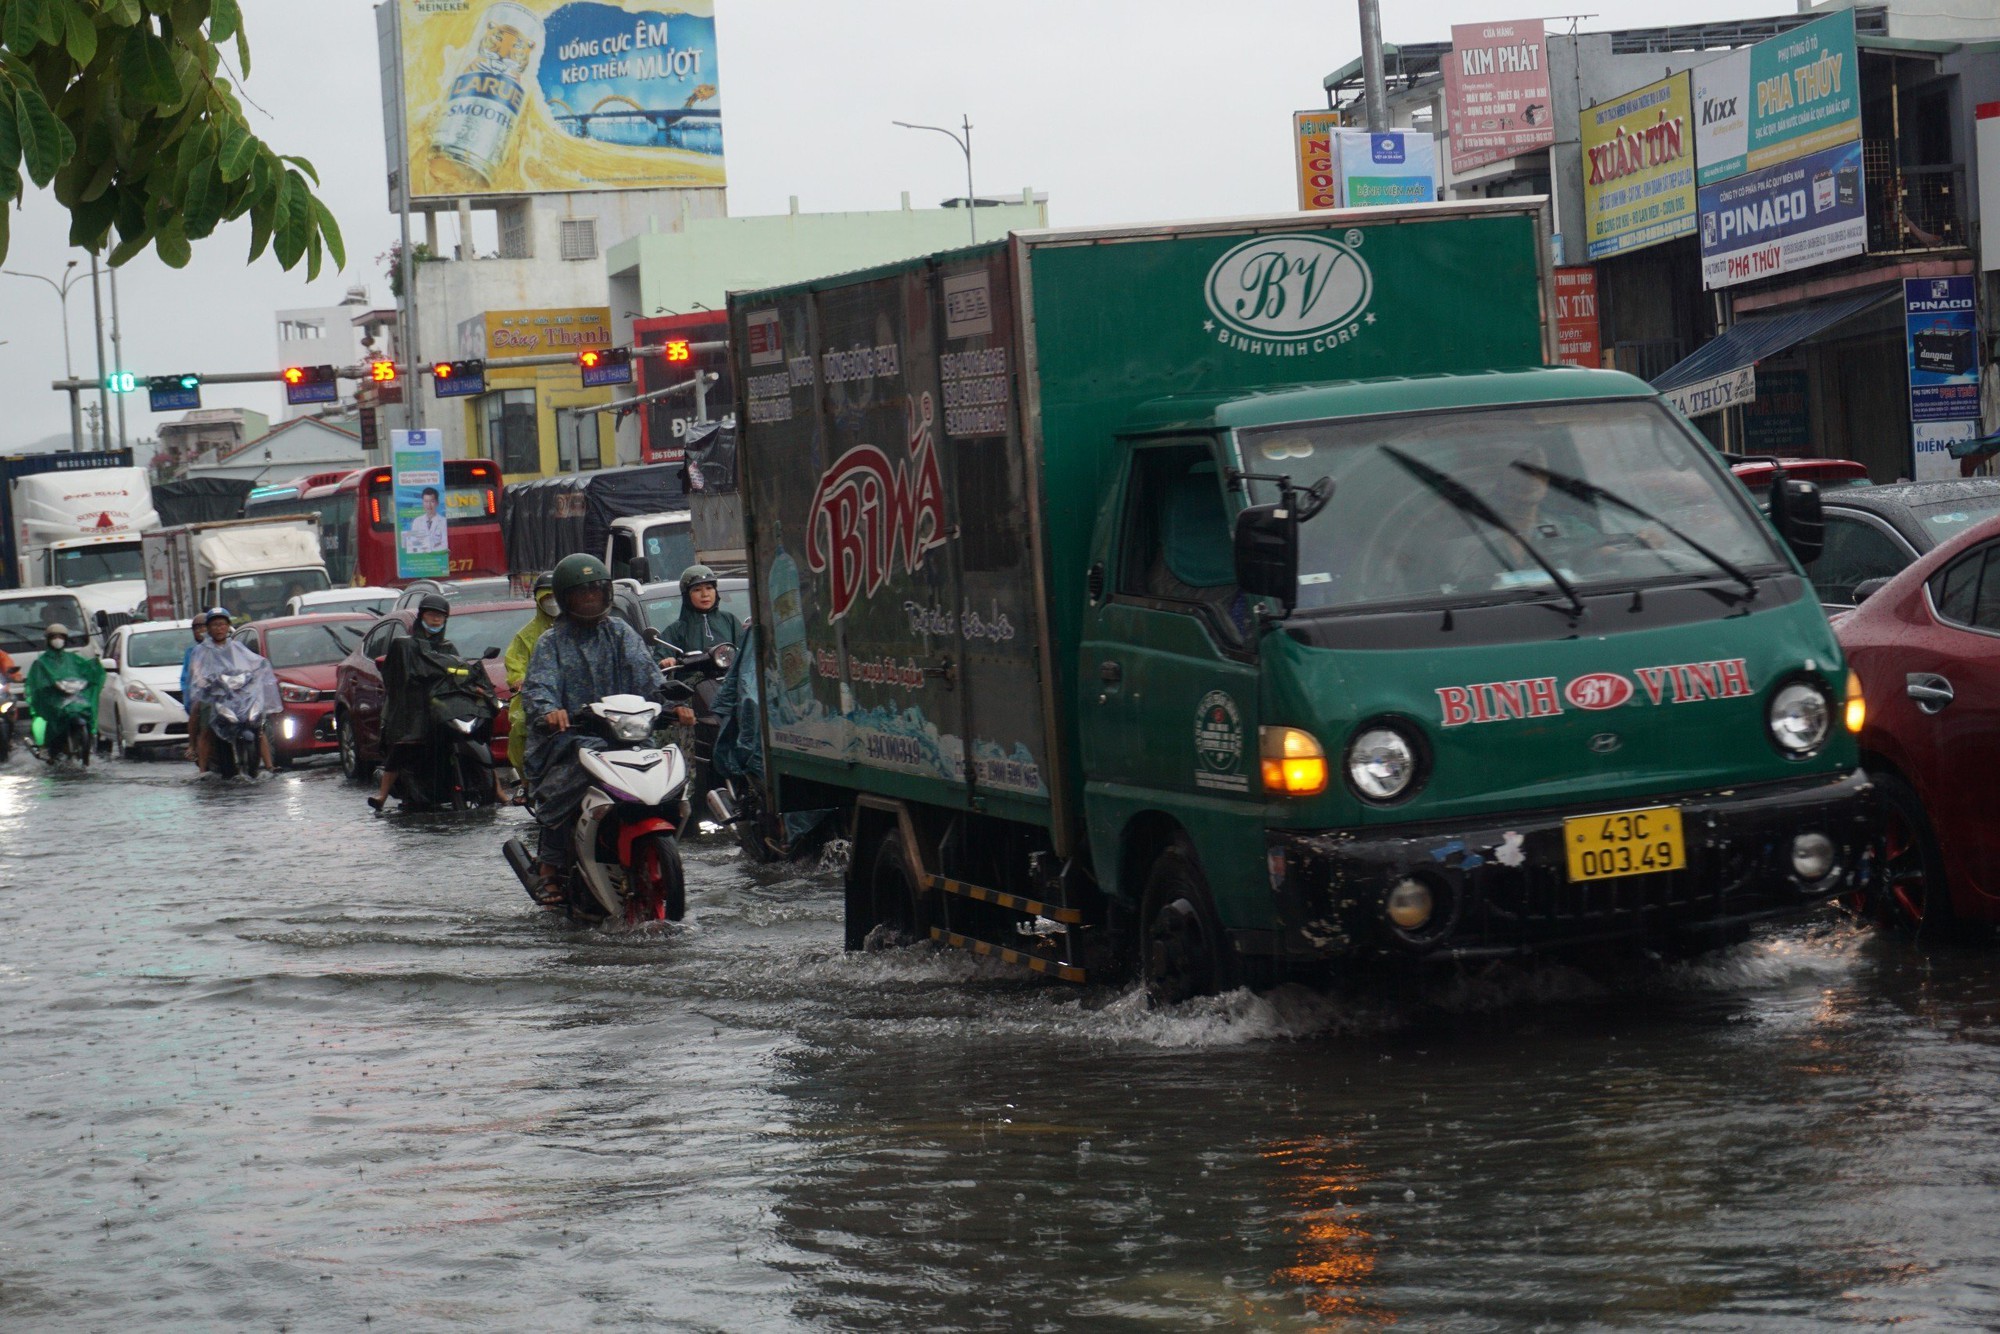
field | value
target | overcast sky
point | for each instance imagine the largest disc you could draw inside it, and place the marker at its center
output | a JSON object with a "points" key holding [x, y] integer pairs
{"points": [[1121, 110]]}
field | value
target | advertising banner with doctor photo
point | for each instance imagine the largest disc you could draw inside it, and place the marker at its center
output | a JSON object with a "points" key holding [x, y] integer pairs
{"points": [[423, 533]]}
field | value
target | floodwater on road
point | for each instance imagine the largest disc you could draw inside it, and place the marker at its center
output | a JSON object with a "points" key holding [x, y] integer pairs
{"points": [[269, 1062]]}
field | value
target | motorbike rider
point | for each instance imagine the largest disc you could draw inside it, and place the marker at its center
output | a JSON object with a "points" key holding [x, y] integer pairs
{"points": [[200, 625], [519, 651], [208, 662], [703, 623], [409, 671], [59, 662], [585, 656]]}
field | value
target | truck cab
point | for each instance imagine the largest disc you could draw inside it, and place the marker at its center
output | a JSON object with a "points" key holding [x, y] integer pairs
{"points": [[1454, 667], [651, 547], [107, 574]]}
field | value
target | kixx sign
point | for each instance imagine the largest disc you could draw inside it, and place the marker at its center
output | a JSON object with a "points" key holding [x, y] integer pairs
{"points": [[1544, 696]]}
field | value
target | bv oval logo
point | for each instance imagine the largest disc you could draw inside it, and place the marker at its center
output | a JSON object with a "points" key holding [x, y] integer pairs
{"points": [[1289, 287], [1599, 690]]}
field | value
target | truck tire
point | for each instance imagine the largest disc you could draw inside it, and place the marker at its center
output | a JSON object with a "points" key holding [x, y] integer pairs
{"points": [[1183, 952], [900, 913]]}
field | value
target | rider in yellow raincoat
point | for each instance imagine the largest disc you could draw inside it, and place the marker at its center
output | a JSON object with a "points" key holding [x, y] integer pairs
{"points": [[516, 662]]}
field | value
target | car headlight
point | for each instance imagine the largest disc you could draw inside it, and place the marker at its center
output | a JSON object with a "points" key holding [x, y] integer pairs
{"points": [[1381, 764], [1798, 718], [1292, 762], [296, 694], [140, 693]]}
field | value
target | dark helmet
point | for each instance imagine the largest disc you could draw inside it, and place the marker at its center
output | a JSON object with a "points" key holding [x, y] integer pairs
{"points": [[214, 612], [544, 583], [433, 602], [694, 576], [577, 572]]}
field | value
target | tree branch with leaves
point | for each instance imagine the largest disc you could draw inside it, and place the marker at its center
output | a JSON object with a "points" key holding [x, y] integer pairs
{"points": [[126, 108]]}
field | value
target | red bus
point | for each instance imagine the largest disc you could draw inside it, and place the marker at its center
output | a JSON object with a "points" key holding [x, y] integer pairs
{"points": [[357, 523]]}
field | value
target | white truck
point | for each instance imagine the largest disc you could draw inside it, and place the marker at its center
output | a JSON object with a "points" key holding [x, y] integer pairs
{"points": [[250, 567], [80, 529]]}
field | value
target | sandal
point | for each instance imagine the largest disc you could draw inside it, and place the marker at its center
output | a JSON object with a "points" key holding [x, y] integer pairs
{"points": [[548, 893], [376, 804]]}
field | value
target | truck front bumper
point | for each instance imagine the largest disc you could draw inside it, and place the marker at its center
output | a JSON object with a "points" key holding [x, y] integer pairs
{"points": [[1501, 887]]}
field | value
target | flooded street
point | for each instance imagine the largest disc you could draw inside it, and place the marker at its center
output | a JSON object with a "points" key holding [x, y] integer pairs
{"points": [[270, 1062]]}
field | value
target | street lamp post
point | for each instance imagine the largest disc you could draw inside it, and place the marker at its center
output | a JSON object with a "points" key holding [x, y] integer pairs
{"points": [[69, 372], [964, 146]]}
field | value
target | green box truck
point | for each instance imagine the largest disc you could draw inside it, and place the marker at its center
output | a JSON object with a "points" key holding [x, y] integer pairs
{"points": [[1225, 598]]}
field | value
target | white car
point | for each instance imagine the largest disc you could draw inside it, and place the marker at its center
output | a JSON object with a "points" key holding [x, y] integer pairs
{"points": [[141, 710], [365, 601]]}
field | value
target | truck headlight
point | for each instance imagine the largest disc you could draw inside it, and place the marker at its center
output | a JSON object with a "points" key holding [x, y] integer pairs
{"points": [[1798, 718], [1292, 761], [1381, 763]]}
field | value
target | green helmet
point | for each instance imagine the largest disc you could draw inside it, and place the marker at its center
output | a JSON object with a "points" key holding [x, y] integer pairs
{"points": [[576, 572], [695, 575]]}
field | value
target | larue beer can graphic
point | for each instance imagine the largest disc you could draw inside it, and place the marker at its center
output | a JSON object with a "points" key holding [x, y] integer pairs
{"points": [[488, 95]]}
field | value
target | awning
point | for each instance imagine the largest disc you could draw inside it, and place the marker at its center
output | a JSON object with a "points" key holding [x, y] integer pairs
{"points": [[1721, 372]]}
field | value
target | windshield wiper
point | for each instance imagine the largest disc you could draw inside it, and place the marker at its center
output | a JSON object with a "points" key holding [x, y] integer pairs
{"points": [[1580, 489], [1468, 501]]}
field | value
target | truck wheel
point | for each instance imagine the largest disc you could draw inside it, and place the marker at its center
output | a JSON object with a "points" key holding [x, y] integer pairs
{"points": [[351, 763], [1913, 896], [901, 913], [1182, 951]]}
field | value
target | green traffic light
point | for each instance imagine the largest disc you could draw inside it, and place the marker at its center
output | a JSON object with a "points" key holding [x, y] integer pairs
{"points": [[122, 382], [190, 382]]}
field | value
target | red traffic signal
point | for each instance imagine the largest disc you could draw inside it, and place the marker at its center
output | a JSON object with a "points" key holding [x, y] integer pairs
{"points": [[382, 372], [679, 350], [591, 358], [310, 384], [458, 379]]}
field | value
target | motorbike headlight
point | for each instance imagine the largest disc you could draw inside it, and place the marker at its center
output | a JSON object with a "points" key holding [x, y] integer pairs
{"points": [[1381, 764], [140, 693], [463, 724], [632, 726], [1798, 718], [295, 694]]}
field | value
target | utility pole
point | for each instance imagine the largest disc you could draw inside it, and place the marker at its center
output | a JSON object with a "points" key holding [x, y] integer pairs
{"points": [[1375, 90], [103, 390], [69, 370], [965, 147], [117, 355], [406, 316]]}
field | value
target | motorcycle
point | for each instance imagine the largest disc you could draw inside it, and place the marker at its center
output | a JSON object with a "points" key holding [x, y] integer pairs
{"points": [[702, 673], [235, 723], [72, 733], [11, 713], [456, 772], [626, 839]]}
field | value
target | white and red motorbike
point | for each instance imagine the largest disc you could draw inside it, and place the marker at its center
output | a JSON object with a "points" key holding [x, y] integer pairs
{"points": [[626, 838]]}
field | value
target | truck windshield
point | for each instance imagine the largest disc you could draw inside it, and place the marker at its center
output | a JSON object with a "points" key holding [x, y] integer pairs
{"points": [[23, 619], [256, 596], [1609, 495], [105, 564]]}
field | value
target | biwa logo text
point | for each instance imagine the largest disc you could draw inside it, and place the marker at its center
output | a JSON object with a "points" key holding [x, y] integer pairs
{"points": [[1289, 288]]}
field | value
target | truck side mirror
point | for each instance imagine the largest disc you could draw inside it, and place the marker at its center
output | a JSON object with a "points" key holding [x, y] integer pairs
{"points": [[1799, 516], [1267, 552]]}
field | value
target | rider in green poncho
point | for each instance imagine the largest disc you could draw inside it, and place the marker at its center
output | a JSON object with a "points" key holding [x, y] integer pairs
{"points": [[47, 700]]}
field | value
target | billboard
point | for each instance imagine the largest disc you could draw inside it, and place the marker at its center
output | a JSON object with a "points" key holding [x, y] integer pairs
{"points": [[1638, 182], [1389, 167], [1312, 145], [527, 96], [1496, 85], [1579, 341], [423, 534], [1791, 216], [1785, 97], [531, 333], [1941, 324]]}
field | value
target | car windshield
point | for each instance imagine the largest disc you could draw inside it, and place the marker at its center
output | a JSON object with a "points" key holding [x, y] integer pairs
{"points": [[1405, 521], [22, 620], [253, 597], [473, 632], [105, 564], [373, 605], [312, 645], [477, 590], [1946, 519], [156, 648]]}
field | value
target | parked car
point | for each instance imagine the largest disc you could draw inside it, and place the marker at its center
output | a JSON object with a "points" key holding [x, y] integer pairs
{"points": [[1876, 532], [1926, 646], [490, 589], [327, 601], [358, 680], [305, 652], [1827, 474], [141, 710]]}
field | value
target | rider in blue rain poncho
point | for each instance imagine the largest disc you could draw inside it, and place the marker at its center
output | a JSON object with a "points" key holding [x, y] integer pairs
{"points": [[586, 655]]}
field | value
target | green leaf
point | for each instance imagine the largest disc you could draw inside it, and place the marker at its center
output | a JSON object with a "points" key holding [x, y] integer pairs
{"points": [[224, 21], [331, 231], [90, 223], [303, 166], [313, 257], [147, 67], [242, 52], [10, 138], [53, 21], [21, 31], [239, 151], [196, 220], [41, 135], [172, 244], [80, 33], [3, 227], [123, 13], [260, 233], [288, 241], [10, 184]]}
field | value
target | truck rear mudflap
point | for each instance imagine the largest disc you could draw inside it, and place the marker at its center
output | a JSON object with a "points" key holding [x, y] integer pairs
{"points": [[1461, 892]]}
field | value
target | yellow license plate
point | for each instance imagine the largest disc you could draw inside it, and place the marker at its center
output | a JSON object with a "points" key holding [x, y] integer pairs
{"points": [[1603, 847]]}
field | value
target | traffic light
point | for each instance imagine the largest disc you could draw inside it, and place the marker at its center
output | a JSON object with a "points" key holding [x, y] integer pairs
{"points": [[382, 372], [458, 379], [678, 350], [605, 365], [172, 393], [121, 382], [310, 384]]}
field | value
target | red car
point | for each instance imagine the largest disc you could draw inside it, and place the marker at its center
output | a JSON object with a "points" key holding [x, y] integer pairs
{"points": [[1829, 474], [1926, 645], [304, 652], [358, 687]]}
